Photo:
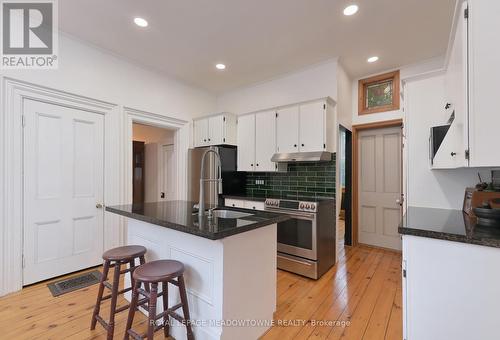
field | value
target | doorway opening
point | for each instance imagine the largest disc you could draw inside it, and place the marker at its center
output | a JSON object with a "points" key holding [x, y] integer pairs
{"points": [[153, 164], [345, 159]]}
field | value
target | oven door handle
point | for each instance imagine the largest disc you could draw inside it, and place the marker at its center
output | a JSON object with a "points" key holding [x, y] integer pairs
{"points": [[296, 261], [310, 216]]}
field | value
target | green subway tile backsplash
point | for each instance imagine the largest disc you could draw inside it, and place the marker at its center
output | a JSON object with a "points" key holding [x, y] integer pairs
{"points": [[309, 179]]}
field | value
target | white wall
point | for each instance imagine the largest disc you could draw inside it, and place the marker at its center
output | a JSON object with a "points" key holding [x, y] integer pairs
{"points": [[344, 97], [152, 134], [426, 187], [88, 71], [316, 81], [404, 72]]}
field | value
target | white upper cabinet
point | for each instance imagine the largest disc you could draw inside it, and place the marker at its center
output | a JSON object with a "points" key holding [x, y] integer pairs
{"points": [[484, 73], [257, 141], [471, 89], [312, 127], [246, 143], [306, 127], [215, 130], [287, 129], [201, 132], [265, 140]]}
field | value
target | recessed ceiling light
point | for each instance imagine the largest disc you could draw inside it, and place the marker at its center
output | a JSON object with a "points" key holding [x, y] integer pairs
{"points": [[220, 66], [141, 22], [351, 9], [372, 59]]}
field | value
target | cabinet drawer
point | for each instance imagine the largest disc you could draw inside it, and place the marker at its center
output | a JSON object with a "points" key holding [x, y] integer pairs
{"points": [[255, 205], [228, 202]]}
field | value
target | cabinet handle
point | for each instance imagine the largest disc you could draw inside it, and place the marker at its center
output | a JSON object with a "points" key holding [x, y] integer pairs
{"points": [[453, 154], [253, 208], [233, 204], [294, 145], [251, 164], [204, 140], [209, 139], [257, 164], [302, 144]]}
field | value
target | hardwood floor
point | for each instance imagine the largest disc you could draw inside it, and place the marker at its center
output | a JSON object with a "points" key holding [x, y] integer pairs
{"points": [[363, 290]]}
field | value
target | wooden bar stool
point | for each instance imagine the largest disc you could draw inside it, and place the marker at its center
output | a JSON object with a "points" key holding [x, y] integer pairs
{"points": [[115, 258], [154, 272]]}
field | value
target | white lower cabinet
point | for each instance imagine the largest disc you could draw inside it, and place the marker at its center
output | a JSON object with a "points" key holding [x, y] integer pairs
{"points": [[451, 290], [244, 204]]}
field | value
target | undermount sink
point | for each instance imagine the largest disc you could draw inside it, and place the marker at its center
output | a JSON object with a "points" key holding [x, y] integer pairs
{"points": [[228, 214]]}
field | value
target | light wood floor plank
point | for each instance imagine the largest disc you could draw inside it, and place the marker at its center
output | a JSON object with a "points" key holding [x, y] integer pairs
{"points": [[364, 287]]}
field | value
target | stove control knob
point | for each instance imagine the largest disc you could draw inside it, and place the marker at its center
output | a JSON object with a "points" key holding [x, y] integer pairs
{"points": [[313, 206], [302, 206], [307, 206]]}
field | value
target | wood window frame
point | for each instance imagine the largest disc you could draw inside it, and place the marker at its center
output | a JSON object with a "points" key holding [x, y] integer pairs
{"points": [[356, 129], [363, 83]]}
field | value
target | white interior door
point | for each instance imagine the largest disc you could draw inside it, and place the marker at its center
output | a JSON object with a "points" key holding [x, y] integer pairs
{"points": [[379, 178], [167, 173], [63, 188]]}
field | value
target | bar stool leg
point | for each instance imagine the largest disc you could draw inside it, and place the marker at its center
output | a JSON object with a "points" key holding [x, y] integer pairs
{"points": [[114, 297], [142, 260], [153, 295], [166, 318], [97, 306], [132, 308], [185, 308]]}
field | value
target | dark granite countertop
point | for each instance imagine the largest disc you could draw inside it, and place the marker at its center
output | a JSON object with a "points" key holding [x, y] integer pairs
{"points": [[180, 216], [449, 225], [259, 198]]}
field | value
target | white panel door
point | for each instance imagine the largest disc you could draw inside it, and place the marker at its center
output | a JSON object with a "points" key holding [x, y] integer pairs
{"points": [[216, 130], [168, 173], [287, 130], [200, 132], [63, 187], [312, 127], [246, 143], [265, 140], [379, 178]]}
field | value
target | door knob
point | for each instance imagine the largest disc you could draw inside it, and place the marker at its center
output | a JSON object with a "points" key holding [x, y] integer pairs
{"points": [[98, 205]]}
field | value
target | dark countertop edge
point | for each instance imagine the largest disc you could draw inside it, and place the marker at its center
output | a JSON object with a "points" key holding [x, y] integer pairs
{"points": [[210, 236], [449, 237]]}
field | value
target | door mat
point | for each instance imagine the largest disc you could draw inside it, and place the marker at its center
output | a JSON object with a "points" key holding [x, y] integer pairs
{"points": [[74, 283]]}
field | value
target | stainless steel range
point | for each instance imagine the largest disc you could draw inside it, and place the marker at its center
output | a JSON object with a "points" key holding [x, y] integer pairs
{"points": [[306, 242]]}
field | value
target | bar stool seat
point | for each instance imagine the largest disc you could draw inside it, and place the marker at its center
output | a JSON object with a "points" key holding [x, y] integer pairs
{"points": [[124, 253], [158, 271], [150, 274], [115, 258]]}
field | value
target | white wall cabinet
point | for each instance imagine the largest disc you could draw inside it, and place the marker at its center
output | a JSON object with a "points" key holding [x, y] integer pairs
{"points": [[470, 86], [307, 127], [215, 130], [287, 129], [256, 141], [246, 143]]}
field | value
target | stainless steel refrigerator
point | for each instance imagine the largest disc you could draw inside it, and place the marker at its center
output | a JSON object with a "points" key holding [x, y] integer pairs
{"points": [[233, 182]]}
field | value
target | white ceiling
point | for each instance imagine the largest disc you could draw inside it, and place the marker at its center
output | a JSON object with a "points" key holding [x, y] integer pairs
{"points": [[260, 39]]}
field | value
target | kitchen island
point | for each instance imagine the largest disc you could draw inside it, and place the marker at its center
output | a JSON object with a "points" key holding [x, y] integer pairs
{"points": [[230, 262]]}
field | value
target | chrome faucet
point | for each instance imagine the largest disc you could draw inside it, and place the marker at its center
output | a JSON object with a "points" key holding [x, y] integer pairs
{"points": [[201, 203]]}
